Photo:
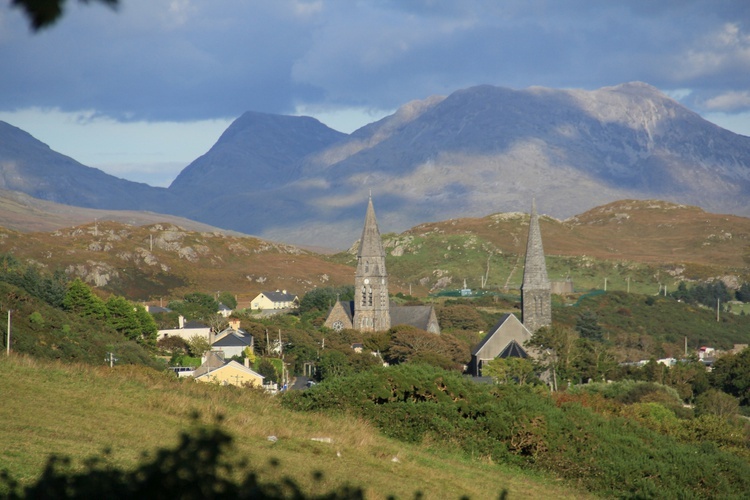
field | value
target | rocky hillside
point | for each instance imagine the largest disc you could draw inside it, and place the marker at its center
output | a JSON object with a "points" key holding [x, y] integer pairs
{"points": [[641, 245], [477, 151]]}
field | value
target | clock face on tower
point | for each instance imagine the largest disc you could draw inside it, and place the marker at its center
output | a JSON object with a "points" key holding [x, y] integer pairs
{"points": [[367, 281]]}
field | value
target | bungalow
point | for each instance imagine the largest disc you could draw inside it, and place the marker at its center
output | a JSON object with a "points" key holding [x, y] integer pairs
{"points": [[274, 300], [186, 330], [215, 369]]}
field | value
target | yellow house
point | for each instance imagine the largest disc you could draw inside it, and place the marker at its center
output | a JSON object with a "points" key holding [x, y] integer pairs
{"points": [[214, 369], [274, 300]]}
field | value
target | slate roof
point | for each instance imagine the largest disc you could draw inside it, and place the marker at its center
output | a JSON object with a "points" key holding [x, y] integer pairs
{"points": [[348, 306], [500, 329], [279, 296], [417, 316], [194, 324], [233, 338], [513, 350], [214, 360]]}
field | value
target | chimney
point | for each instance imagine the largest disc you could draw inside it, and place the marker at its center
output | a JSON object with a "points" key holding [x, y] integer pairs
{"points": [[284, 292], [181, 322], [234, 323], [247, 362]]}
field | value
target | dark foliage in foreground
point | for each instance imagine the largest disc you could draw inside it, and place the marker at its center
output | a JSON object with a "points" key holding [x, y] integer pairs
{"points": [[197, 468]]}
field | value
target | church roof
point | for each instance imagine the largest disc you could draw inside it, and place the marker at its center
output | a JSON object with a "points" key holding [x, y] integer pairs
{"points": [[417, 316], [513, 350], [535, 268], [508, 329]]}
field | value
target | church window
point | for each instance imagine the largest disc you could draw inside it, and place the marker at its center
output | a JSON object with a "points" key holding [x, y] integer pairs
{"points": [[364, 296], [369, 296]]}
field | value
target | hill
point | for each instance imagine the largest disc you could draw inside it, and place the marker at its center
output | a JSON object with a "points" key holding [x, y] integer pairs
{"points": [[635, 245], [479, 150], [136, 410]]}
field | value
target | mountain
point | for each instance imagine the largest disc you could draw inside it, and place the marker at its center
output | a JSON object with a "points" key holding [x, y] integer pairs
{"points": [[30, 166], [477, 151]]}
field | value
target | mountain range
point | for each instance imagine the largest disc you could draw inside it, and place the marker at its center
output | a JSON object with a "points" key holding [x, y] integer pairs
{"points": [[477, 151]]}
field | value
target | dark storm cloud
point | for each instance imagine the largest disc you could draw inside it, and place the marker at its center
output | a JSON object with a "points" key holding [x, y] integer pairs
{"points": [[186, 60]]}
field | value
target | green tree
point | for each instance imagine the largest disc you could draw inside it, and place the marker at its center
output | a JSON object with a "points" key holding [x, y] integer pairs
{"points": [[228, 299], [267, 369], [333, 364], [461, 317], [559, 350], [196, 305], [713, 402], [509, 370], [122, 317], [731, 374], [588, 326], [149, 330], [198, 345], [80, 300], [322, 299]]}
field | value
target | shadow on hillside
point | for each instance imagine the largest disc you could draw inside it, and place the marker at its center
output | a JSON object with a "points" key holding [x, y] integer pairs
{"points": [[196, 468]]}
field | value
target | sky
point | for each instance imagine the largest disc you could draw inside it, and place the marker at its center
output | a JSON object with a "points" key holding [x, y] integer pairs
{"points": [[143, 90]]}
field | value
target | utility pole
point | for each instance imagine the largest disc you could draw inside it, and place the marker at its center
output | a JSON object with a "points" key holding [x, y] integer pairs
{"points": [[628, 284], [7, 344], [605, 284], [717, 311]]}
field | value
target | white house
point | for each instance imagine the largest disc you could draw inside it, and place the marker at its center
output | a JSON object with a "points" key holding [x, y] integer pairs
{"points": [[274, 300]]}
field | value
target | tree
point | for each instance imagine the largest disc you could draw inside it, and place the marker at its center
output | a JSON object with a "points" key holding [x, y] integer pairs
{"points": [[743, 293], [268, 371], [228, 299], [333, 364], [198, 345], [147, 324], [196, 305], [122, 317], [81, 300], [560, 351], [321, 299], [588, 326], [731, 374], [509, 370], [713, 402], [461, 317], [44, 13]]}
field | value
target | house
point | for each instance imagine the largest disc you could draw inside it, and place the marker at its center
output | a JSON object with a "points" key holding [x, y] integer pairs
{"points": [[233, 340], [224, 311], [186, 330], [505, 340], [216, 370], [274, 300]]}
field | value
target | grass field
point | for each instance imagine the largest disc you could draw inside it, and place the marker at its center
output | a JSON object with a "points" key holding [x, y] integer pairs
{"points": [[78, 411]]}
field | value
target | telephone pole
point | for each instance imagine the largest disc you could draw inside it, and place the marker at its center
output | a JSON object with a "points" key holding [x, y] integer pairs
{"points": [[7, 342]]}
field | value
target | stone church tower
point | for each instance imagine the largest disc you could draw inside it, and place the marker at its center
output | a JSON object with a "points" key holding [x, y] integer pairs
{"points": [[371, 303], [536, 297]]}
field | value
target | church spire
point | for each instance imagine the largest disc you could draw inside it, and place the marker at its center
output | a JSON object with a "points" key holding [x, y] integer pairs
{"points": [[370, 244], [371, 303], [536, 300]]}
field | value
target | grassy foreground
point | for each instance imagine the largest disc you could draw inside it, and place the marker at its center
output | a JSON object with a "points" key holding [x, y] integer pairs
{"points": [[78, 411]]}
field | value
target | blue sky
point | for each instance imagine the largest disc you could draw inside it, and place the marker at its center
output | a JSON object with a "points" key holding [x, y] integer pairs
{"points": [[142, 91]]}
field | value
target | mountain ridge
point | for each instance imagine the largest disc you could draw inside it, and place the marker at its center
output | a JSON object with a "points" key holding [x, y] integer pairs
{"points": [[478, 150]]}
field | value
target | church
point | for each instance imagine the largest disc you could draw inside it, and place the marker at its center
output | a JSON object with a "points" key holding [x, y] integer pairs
{"points": [[371, 310], [507, 338]]}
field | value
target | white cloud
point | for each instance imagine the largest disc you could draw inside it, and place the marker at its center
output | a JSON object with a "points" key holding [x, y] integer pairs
{"points": [[728, 101]]}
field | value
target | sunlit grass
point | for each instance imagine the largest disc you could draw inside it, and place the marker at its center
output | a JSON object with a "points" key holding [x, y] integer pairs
{"points": [[79, 411]]}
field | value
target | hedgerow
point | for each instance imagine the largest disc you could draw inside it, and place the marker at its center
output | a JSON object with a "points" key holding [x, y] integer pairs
{"points": [[605, 453]]}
